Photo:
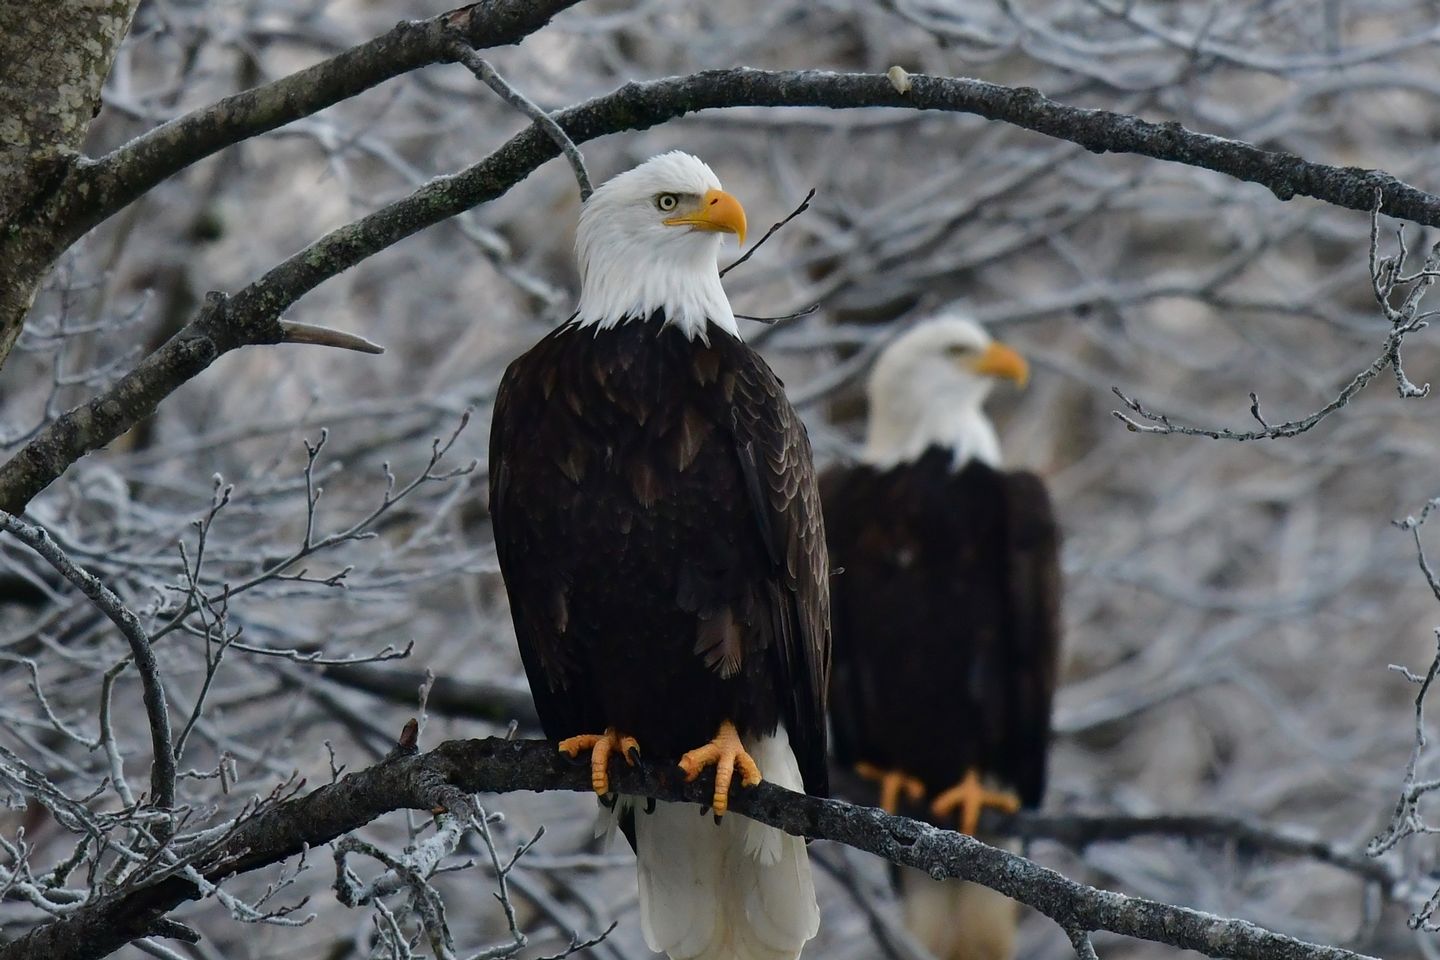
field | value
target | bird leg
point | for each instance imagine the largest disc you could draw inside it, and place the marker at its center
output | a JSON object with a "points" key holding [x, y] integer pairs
{"points": [[892, 783], [600, 746], [971, 797], [726, 753]]}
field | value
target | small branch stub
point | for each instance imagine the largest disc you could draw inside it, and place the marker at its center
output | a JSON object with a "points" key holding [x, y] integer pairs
{"points": [[326, 337]]}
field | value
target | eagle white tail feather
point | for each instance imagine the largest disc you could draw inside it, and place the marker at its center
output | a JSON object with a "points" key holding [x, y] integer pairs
{"points": [[956, 920], [736, 891]]}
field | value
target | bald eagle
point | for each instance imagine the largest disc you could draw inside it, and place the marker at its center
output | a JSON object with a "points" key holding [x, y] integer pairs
{"points": [[658, 529], [946, 615]]}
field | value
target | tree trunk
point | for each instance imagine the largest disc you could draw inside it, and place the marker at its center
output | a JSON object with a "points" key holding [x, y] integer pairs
{"points": [[54, 58]]}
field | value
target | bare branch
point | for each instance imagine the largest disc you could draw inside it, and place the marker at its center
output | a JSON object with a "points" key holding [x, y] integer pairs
{"points": [[486, 74], [97, 190], [162, 771], [251, 316], [774, 228], [1079, 831], [1386, 275], [450, 697]]}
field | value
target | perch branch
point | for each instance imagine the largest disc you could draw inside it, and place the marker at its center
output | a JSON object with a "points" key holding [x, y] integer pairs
{"points": [[445, 776]]}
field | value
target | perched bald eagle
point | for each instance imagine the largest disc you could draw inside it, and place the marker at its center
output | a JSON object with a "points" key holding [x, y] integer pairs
{"points": [[658, 529], [946, 615]]}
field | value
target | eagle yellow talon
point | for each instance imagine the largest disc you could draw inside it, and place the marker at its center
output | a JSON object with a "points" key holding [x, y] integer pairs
{"points": [[601, 745], [971, 797], [726, 753], [892, 783]]}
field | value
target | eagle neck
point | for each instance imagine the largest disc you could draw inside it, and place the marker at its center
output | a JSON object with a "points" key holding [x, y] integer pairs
{"points": [[898, 436], [622, 282]]}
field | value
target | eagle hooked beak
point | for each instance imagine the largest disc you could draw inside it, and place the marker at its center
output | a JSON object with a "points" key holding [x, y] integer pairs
{"points": [[718, 212], [999, 360]]}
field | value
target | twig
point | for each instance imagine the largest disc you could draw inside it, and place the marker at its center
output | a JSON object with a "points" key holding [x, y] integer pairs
{"points": [[577, 945], [162, 770], [783, 318], [804, 205], [486, 74], [1386, 275]]}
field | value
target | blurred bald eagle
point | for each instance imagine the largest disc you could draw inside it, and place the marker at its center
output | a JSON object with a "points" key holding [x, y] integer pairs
{"points": [[946, 615], [658, 529]]}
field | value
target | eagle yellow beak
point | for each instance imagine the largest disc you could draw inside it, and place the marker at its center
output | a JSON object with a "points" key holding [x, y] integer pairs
{"points": [[999, 360], [718, 211]]}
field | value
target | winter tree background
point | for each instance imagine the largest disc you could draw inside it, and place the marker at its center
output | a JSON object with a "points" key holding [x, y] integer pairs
{"points": [[301, 532]]}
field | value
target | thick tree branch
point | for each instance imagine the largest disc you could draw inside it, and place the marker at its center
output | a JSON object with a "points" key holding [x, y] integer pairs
{"points": [[251, 315], [447, 774], [98, 190]]}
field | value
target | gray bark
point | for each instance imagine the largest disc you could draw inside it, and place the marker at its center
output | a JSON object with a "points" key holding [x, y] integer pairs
{"points": [[54, 58]]}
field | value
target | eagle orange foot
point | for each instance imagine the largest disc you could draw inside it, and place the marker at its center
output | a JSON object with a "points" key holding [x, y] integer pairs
{"points": [[601, 745], [892, 784], [971, 797], [726, 753]]}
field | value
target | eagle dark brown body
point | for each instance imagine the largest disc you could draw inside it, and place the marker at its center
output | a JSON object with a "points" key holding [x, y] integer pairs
{"points": [[659, 531], [946, 622]]}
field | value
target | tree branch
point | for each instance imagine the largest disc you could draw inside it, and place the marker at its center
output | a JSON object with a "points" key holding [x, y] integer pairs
{"points": [[251, 315], [1387, 274], [494, 702], [448, 774], [162, 769], [486, 74], [1078, 831], [100, 189]]}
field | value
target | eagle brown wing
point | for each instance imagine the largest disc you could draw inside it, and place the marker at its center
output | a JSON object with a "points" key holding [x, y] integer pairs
{"points": [[775, 459], [565, 705], [1033, 555]]}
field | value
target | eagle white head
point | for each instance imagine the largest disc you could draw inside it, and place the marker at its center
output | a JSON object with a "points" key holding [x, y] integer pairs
{"points": [[649, 239], [928, 388]]}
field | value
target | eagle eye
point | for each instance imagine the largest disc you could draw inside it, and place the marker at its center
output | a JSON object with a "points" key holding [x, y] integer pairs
{"points": [[959, 350], [666, 202]]}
